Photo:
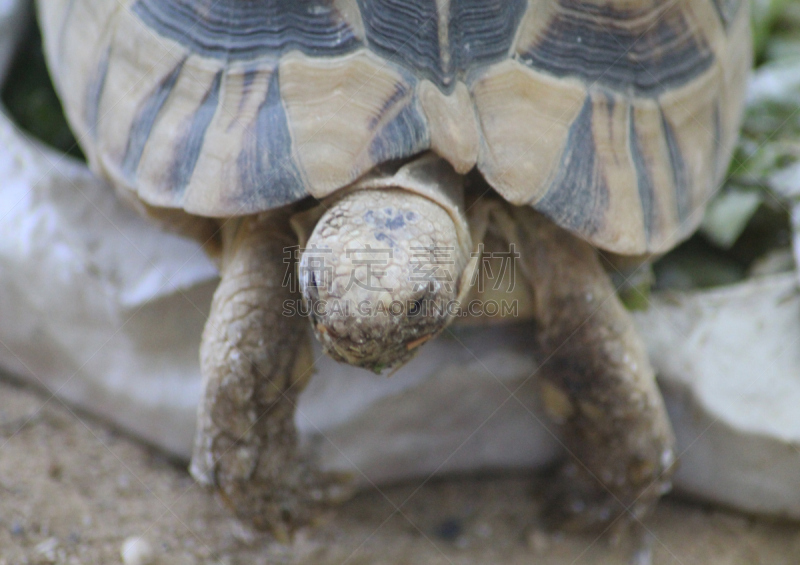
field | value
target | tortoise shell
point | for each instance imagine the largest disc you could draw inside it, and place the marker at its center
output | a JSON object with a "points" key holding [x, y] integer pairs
{"points": [[615, 118]]}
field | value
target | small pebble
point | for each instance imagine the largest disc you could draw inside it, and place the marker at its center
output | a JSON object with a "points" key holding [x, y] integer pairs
{"points": [[137, 551], [17, 529], [47, 550], [539, 542], [449, 529], [242, 533], [644, 553]]}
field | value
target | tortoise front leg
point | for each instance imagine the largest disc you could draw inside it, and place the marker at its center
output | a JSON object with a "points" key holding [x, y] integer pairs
{"points": [[597, 382], [255, 362]]}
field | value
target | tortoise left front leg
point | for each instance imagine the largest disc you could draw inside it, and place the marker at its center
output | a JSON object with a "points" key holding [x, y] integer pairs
{"points": [[597, 382]]}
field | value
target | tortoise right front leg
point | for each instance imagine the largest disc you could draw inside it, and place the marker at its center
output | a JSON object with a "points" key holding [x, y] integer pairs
{"points": [[255, 362]]}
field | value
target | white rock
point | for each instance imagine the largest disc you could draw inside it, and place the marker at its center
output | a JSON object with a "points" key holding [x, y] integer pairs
{"points": [[46, 551], [729, 365], [73, 266], [449, 409], [137, 551]]}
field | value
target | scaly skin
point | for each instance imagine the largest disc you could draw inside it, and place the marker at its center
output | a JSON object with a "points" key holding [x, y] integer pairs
{"points": [[381, 272], [596, 382], [255, 362]]}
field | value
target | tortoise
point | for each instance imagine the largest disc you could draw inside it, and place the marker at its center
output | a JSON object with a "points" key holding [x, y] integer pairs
{"points": [[340, 158]]}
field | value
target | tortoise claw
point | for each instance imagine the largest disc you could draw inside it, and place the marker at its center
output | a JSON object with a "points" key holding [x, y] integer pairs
{"points": [[283, 506], [577, 502]]}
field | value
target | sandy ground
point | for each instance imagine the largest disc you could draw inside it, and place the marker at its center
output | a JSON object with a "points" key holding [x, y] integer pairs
{"points": [[72, 490]]}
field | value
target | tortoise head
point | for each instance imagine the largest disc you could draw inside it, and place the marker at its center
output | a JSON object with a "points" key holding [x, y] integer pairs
{"points": [[382, 271]]}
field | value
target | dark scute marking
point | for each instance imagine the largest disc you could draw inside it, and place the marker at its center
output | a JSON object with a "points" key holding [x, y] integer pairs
{"points": [[94, 93], [644, 180], [144, 120], [727, 10], [245, 29], [404, 136], [268, 174], [249, 77], [400, 92], [481, 31], [407, 32], [578, 197], [596, 44], [611, 102], [191, 142], [247, 85], [683, 194]]}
